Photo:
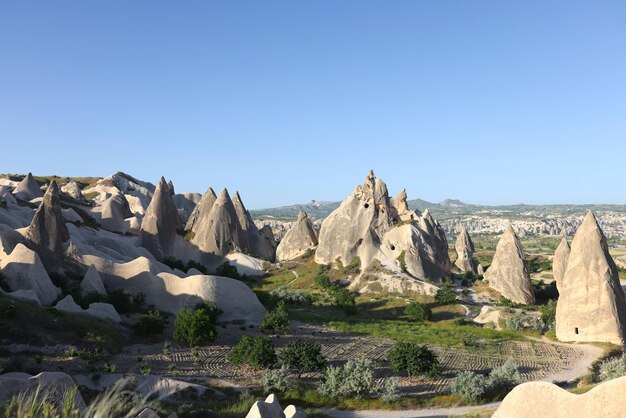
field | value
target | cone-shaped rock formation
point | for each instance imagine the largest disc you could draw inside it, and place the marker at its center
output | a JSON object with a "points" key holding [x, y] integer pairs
{"points": [[160, 223], [591, 305], [508, 273], [28, 188], [201, 211], [559, 262], [255, 242], [298, 240], [465, 250]]}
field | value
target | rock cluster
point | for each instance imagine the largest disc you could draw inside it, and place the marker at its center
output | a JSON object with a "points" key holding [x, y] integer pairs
{"points": [[370, 225], [508, 273], [298, 240], [160, 223], [465, 252], [591, 305]]}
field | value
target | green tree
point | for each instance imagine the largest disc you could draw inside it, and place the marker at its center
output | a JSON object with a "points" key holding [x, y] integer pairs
{"points": [[257, 352], [418, 312], [445, 296], [276, 319], [228, 270], [413, 359], [303, 356], [151, 323], [196, 326]]}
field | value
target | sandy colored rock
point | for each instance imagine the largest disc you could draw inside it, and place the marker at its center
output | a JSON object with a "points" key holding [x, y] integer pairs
{"points": [[559, 262], [47, 233], [201, 212], [591, 305], [113, 213], [464, 247], [546, 400], [28, 188], [160, 223], [254, 242], [298, 240], [92, 283], [185, 204], [508, 273], [23, 270], [98, 310], [72, 189], [270, 408]]}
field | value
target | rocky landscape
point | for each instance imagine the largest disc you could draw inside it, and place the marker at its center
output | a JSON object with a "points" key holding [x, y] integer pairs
{"points": [[190, 297]]}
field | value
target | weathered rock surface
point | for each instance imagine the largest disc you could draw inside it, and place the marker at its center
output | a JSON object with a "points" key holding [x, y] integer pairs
{"points": [[113, 213], [547, 400], [97, 310], [92, 283], [254, 242], [72, 189], [559, 262], [464, 247], [591, 305], [270, 408], [508, 273], [160, 223], [47, 233], [298, 240], [185, 204], [28, 188], [23, 270], [201, 212], [14, 383]]}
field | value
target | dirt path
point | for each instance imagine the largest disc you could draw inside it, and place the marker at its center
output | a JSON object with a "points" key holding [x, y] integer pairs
{"points": [[580, 368], [431, 413], [295, 273]]}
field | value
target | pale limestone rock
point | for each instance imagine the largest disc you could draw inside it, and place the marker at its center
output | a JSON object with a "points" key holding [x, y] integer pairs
{"points": [[185, 204], [547, 400], [591, 305], [28, 188], [508, 273], [97, 310], [92, 283], [113, 213], [559, 262], [270, 408], [72, 189], [148, 413], [23, 270], [201, 210], [160, 223], [12, 384], [292, 412], [465, 250], [254, 242], [298, 240]]}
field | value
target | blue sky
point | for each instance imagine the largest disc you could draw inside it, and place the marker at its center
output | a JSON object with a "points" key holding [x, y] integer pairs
{"points": [[485, 101]]}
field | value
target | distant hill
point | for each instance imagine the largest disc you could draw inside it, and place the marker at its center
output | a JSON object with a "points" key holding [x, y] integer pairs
{"points": [[315, 209]]}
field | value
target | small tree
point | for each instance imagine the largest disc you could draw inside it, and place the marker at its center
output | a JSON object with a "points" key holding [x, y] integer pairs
{"points": [[276, 380], [322, 280], [196, 326], [345, 298], [151, 323], [276, 319], [413, 359], [418, 312], [354, 378], [612, 368], [505, 377], [469, 386], [445, 296], [228, 270], [257, 352], [303, 356], [548, 314], [390, 392]]}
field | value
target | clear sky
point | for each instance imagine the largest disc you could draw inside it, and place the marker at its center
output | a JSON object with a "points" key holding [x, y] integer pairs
{"points": [[485, 101]]}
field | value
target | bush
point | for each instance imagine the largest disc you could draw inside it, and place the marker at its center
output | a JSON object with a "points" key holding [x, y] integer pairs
{"points": [[445, 296], [257, 352], [228, 270], [354, 266], [418, 312], [390, 392], [303, 356], [520, 321], [276, 319], [121, 301], [612, 368], [322, 280], [469, 386], [548, 314], [345, 299], [152, 323], [505, 377], [292, 297], [413, 359], [354, 378], [197, 326], [276, 380]]}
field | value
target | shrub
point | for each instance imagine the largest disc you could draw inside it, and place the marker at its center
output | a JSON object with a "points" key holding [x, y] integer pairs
{"points": [[197, 326], [445, 296], [469, 386], [257, 352], [390, 392], [152, 323], [354, 266], [276, 319], [71, 351], [418, 312], [354, 378], [548, 314], [144, 369], [322, 280], [228, 270], [276, 380], [292, 297], [345, 299], [303, 356], [121, 301], [166, 348], [109, 368], [505, 377], [413, 359], [520, 321], [612, 368]]}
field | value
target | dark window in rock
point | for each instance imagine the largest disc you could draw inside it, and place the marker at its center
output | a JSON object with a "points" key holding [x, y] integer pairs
{"points": [[367, 205], [393, 248], [576, 330]]}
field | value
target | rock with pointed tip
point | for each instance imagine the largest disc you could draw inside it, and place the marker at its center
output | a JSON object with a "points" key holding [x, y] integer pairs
{"points": [[28, 188], [47, 233], [298, 240], [113, 213], [97, 310], [72, 189], [465, 250], [270, 408], [591, 305], [92, 283], [254, 243], [170, 185], [508, 273], [201, 212], [160, 223], [559, 262]]}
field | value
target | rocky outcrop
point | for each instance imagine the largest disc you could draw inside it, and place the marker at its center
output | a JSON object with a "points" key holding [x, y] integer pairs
{"points": [[201, 212], [72, 189], [465, 252], [186, 203], [559, 262], [47, 233], [170, 185], [98, 310], [270, 408], [547, 400], [160, 223], [298, 240], [57, 383], [254, 242], [508, 273], [113, 213], [23, 270], [92, 283], [591, 305], [220, 232], [28, 188]]}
